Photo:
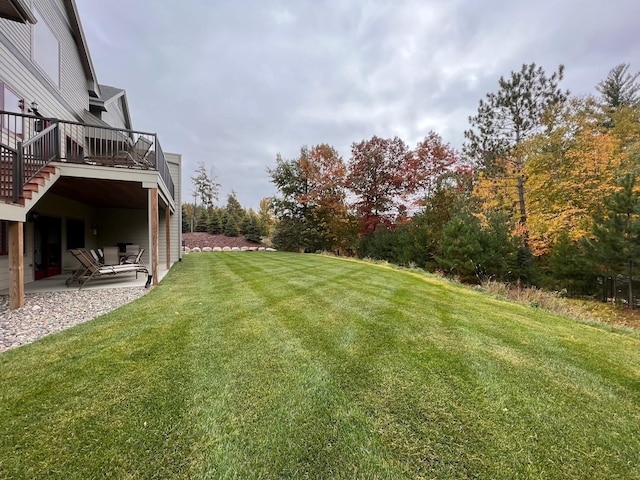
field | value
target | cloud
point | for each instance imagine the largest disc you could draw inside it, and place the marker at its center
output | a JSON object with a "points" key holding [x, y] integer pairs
{"points": [[232, 84]]}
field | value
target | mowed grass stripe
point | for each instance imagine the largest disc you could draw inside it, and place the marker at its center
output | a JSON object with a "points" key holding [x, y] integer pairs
{"points": [[302, 366]]}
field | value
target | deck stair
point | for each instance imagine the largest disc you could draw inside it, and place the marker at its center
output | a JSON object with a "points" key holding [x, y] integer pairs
{"points": [[35, 188]]}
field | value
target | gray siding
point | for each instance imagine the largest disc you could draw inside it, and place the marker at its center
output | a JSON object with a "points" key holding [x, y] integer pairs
{"points": [[22, 74], [114, 115], [116, 225], [175, 168]]}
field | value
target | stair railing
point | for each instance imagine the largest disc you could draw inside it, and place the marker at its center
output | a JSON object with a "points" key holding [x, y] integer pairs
{"points": [[35, 154], [8, 160]]}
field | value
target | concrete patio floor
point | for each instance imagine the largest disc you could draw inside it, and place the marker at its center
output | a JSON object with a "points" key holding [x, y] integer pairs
{"points": [[57, 283]]}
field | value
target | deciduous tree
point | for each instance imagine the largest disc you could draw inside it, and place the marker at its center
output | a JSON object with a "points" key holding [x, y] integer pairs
{"points": [[378, 178], [427, 164], [568, 173], [311, 203]]}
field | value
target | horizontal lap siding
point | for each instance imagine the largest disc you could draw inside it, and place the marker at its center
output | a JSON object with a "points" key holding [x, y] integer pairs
{"points": [[69, 99], [175, 168], [124, 225], [114, 115], [64, 208], [19, 34]]}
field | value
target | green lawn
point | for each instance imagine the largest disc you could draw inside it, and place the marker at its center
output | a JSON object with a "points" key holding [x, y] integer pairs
{"points": [[275, 365]]}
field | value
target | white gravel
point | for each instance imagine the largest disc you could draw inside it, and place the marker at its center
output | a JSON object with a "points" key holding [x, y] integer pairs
{"points": [[46, 313]]}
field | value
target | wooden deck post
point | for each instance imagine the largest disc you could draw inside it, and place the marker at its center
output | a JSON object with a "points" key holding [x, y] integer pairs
{"points": [[16, 265], [167, 223], [153, 213]]}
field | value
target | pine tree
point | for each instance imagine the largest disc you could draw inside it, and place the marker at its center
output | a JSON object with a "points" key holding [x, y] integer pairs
{"points": [[461, 247], [214, 227], [202, 220], [570, 267], [252, 229], [620, 88], [231, 227], [525, 105], [234, 208], [498, 247], [617, 233]]}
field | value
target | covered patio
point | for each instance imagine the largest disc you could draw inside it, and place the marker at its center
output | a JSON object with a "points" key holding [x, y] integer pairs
{"points": [[57, 283]]}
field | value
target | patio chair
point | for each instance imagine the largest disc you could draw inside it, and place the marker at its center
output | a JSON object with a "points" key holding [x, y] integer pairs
{"points": [[122, 151], [111, 255], [133, 258], [97, 256], [90, 269], [135, 155]]}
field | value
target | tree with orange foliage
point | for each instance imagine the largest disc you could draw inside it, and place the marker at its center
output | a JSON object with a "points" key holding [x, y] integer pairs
{"points": [[388, 179], [377, 177], [311, 207]]}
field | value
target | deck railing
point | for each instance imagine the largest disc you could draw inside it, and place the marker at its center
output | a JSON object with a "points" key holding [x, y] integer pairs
{"points": [[28, 143]]}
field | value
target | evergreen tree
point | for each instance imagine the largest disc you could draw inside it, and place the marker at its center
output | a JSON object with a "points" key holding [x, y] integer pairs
{"points": [[288, 234], [252, 231], [498, 247], [205, 187], [617, 233], [231, 227], [202, 220], [571, 268], [245, 224], [620, 88], [215, 226], [525, 105], [461, 247], [234, 209]]}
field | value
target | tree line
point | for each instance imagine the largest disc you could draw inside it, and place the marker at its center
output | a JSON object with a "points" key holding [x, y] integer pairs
{"points": [[231, 220], [544, 192]]}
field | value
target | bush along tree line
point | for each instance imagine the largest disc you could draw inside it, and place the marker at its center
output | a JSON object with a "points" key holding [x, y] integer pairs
{"points": [[231, 219], [545, 192]]}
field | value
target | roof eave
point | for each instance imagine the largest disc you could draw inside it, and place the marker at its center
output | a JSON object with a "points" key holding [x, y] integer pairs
{"points": [[78, 33], [23, 12]]}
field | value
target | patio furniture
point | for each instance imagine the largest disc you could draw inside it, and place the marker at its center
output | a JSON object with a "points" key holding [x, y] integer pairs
{"points": [[131, 257], [91, 269], [97, 256], [131, 155], [135, 155], [111, 255]]}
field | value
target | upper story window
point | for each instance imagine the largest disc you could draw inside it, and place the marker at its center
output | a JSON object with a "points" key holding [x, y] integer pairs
{"points": [[10, 102], [45, 48]]}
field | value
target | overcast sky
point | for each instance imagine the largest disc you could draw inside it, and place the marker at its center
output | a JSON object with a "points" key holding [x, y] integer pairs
{"points": [[232, 83]]}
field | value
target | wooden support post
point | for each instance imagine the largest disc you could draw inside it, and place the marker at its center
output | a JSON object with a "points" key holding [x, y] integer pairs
{"points": [[16, 265], [167, 223], [153, 204]]}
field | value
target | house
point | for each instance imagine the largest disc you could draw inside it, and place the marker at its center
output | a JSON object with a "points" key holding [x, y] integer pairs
{"points": [[73, 170]]}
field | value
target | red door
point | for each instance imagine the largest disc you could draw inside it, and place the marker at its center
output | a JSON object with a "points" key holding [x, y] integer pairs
{"points": [[47, 253]]}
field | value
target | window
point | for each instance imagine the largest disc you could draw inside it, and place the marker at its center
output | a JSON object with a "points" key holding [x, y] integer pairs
{"points": [[75, 233], [10, 102], [45, 49]]}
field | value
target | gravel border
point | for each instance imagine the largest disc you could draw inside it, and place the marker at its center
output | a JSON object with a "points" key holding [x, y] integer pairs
{"points": [[51, 312]]}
